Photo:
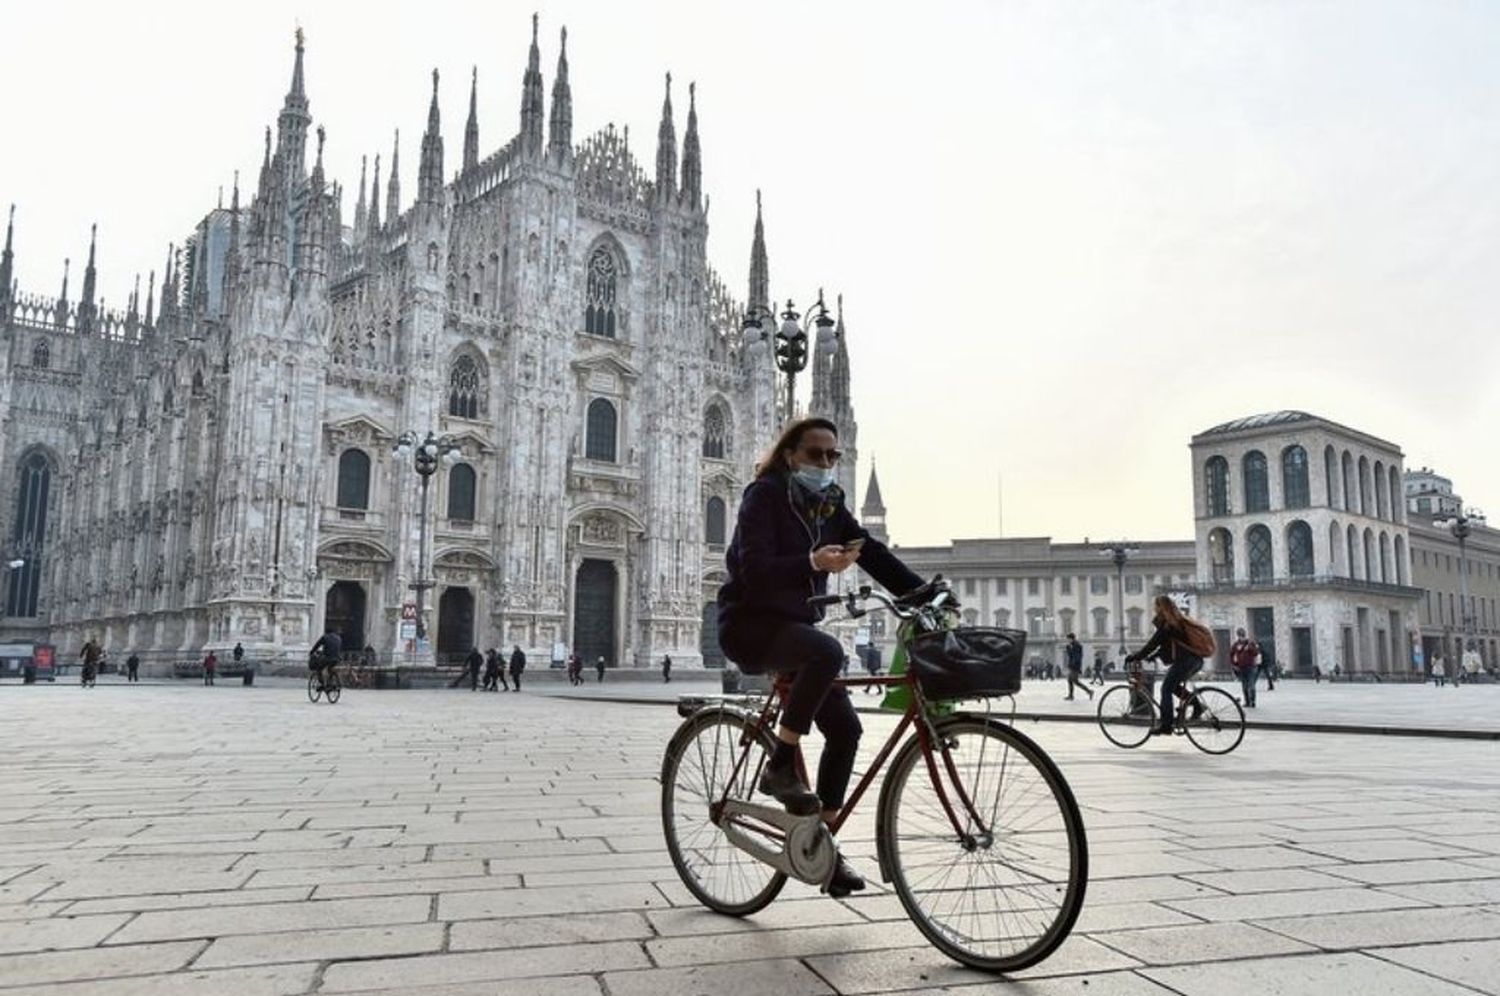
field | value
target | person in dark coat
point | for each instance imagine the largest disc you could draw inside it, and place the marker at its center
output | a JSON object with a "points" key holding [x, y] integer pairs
{"points": [[666, 668], [474, 662], [132, 668], [325, 654], [599, 666], [491, 670], [1075, 668], [210, 665], [792, 531], [517, 665]]}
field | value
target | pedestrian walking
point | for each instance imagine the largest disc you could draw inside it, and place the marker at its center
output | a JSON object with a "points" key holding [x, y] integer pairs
{"points": [[1098, 678], [1472, 664], [1266, 664], [1439, 671], [1317, 675], [492, 670], [1074, 651], [575, 670], [247, 668], [91, 655], [599, 666], [517, 665], [210, 665], [666, 668], [474, 662], [132, 668], [1243, 656]]}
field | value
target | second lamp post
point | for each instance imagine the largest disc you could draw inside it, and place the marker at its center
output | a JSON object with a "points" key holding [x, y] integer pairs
{"points": [[425, 454]]}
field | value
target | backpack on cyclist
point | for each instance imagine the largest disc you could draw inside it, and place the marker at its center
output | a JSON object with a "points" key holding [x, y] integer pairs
{"points": [[968, 661]]}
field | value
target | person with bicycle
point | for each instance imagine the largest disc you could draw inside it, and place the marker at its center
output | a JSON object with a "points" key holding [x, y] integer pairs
{"points": [[792, 531], [1183, 644], [325, 654]]}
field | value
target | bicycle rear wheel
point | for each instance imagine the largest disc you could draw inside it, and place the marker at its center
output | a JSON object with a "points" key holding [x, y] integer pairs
{"points": [[333, 688], [699, 763], [1005, 900], [1126, 716], [1220, 726], [313, 688]]}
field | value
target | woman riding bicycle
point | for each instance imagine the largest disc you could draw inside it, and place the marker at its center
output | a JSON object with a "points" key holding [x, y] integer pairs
{"points": [[792, 531], [1182, 643]]}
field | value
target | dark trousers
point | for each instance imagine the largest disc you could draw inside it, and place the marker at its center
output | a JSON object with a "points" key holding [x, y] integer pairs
{"points": [[816, 659], [1073, 681], [1176, 675], [1247, 685], [133, 673], [515, 679], [473, 679], [1267, 670]]}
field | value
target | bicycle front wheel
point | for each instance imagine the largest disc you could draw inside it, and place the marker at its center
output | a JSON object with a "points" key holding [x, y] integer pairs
{"points": [[699, 764], [1215, 722], [1000, 895], [313, 688], [1126, 716]]}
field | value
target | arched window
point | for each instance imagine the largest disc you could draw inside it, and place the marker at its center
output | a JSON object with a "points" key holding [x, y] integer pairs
{"points": [[1134, 616], [1379, 490], [1299, 550], [600, 442], [1364, 486], [715, 429], [466, 394], [1400, 560], [1369, 551], [1385, 558], [1221, 556], [1101, 622], [461, 488], [1296, 492], [166, 401], [1065, 616], [34, 486], [603, 279], [354, 479], [1258, 550], [1348, 469], [41, 355], [1335, 542], [1351, 544], [1397, 505], [713, 522], [1330, 472], [1257, 484], [1216, 484], [198, 383], [1002, 618]]}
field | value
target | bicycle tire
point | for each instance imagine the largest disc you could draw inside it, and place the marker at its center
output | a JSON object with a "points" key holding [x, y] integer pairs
{"points": [[1221, 726], [313, 688], [1052, 895], [333, 689], [1117, 719], [700, 851]]}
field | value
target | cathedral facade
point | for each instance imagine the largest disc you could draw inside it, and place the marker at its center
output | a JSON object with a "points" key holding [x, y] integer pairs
{"points": [[218, 465]]}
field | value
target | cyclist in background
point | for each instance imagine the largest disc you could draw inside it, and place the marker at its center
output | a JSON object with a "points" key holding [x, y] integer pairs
{"points": [[325, 654], [792, 531], [1183, 644]]}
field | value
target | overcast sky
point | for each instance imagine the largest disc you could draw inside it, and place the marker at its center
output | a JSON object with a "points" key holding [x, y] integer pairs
{"points": [[1069, 234]]}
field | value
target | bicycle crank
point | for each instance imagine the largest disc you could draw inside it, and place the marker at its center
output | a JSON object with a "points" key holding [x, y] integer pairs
{"points": [[807, 852]]}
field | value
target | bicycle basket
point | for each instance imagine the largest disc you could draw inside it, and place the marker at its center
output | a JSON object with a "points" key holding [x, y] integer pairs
{"points": [[968, 662]]}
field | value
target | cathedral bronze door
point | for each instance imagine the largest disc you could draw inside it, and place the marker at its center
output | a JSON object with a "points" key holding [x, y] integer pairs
{"points": [[344, 612], [594, 612], [708, 638], [455, 635]]}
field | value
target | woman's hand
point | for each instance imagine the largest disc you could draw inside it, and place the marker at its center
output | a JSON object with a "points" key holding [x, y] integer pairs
{"points": [[833, 558]]}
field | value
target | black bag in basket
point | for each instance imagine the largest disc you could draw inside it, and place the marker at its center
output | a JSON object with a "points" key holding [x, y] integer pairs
{"points": [[968, 662]]}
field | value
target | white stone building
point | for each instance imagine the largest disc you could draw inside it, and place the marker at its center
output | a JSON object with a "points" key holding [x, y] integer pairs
{"points": [[1301, 538], [219, 469]]}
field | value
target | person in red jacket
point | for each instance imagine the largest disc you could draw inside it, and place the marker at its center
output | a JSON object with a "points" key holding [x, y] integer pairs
{"points": [[210, 662], [1244, 658]]}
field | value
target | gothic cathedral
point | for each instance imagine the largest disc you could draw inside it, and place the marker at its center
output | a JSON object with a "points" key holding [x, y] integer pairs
{"points": [[218, 466]]}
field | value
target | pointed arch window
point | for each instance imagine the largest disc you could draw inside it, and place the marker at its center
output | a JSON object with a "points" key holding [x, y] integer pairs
{"points": [[1299, 550], [354, 479], [1258, 548], [713, 522], [715, 431], [599, 316], [41, 355], [466, 395], [34, 485], [1216, 481], [1296, 492], [461, 493], [601, 429], [1257, 484]]}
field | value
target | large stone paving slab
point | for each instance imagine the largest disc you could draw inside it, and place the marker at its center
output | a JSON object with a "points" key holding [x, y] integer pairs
{"points": [[173, 839]]}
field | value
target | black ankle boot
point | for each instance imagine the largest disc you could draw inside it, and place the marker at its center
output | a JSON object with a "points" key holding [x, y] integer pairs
{"points": [[781, 782], [845, 880]]}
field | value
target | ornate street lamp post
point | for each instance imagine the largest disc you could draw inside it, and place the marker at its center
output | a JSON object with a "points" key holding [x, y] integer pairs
{"points": [[791, 341], [426, 454], [1119, 553], [1461, 526]]}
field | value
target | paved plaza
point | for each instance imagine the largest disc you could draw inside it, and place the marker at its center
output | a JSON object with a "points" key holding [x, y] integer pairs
{"points": [[169, 838]]}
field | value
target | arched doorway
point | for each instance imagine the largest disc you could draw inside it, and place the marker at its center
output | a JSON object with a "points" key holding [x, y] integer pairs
{"points": [[708, 637], [344, 612], [455, 635], [594, 612]]}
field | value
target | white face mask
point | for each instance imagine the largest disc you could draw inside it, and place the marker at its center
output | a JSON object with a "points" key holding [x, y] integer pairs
{"points": [[815, 479]]}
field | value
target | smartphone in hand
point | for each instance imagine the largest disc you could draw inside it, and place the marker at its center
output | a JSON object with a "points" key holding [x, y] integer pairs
{"points": [[853, 545]]}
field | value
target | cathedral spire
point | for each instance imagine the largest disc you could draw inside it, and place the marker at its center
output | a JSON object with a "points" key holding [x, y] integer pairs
{"points": [[560, 125], [86, 300], [359, 207], [873, 505], [838, 381], [393, 195], [532, 101], [373, 219], [760, 275], [666, 148], [291, 125], [150, 300], [232, 254], [62, 298], [471, 128], [311, 251], [7, 260], [692, 154], [430, 176]]}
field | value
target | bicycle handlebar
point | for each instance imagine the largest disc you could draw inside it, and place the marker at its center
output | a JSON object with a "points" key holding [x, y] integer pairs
{"points": [[931, 597]]}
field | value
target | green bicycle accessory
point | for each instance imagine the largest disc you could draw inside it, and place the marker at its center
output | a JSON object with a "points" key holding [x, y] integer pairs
{"points": [[899, 697]]}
